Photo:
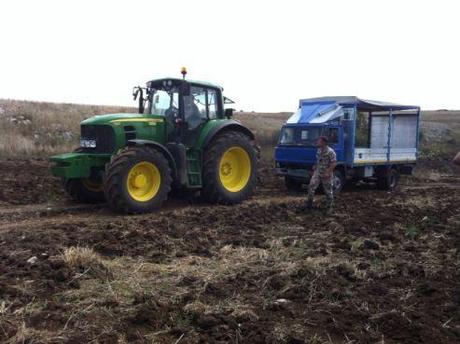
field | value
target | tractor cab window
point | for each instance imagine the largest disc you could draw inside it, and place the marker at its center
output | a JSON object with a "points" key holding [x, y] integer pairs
{"points": [[212, 104]]}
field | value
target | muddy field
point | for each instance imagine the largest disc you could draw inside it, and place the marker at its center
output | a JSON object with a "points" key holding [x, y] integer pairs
{"points": [[383, 269]]}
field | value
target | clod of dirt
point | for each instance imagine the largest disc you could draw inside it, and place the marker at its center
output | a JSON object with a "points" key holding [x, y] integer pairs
{"points": [[152, 312], [386, 236], [244, 315], [207, 321], [346, 271], [195, 308], [363, 266], [214, 289], [426, 289], [370, 245], [276, 282]]}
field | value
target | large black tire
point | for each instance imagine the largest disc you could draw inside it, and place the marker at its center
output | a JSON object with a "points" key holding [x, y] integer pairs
{"points": [[85, 190], [121, 192], [292, 184], [215, 169], [387, 179]]}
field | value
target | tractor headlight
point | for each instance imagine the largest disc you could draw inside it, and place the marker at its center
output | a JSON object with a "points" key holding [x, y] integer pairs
{"points": [[86, 143]]}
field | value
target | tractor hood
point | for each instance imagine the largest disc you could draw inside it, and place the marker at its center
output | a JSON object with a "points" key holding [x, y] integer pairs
{"points": [[120, 117]]}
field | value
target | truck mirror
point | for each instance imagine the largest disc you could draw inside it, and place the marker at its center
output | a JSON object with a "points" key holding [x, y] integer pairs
{"points": [[229, 113]]}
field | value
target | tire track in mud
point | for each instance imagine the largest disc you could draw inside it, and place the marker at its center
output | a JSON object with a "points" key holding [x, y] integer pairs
{"points": [[41, 214]]}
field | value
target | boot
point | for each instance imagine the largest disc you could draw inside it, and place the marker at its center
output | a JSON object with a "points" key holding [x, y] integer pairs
{"points": [[309, 204]]}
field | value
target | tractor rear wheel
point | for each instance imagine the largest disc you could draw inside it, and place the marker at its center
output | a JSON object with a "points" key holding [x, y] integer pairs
{"points": [[85, 190], [137, 180], [230, 169]]}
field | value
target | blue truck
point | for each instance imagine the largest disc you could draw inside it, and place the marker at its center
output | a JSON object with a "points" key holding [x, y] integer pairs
{"points": [[374, 140]]}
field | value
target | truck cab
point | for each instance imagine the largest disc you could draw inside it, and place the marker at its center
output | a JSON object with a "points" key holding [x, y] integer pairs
{"points": [[373, 141]]}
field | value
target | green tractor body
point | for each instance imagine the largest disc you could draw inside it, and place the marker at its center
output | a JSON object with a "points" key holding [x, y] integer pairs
{"points": [[182, 138]]}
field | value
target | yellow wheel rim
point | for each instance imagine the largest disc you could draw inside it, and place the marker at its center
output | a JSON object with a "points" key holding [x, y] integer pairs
{"points": [[235, 169], [143, 182], [93, 185]]}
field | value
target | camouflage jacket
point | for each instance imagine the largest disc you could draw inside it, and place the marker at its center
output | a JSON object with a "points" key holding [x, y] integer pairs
{"points": [[324, 159]]}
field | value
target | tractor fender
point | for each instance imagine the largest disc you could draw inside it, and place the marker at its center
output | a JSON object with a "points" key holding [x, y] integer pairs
{"points": [[226, 126], [159, 147]]}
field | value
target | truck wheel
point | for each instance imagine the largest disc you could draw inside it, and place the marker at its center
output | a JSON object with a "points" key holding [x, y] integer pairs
{"points": [[138, 180], [387, 179], [338, 181], [292, 184], [230, 169], [85, 190]]}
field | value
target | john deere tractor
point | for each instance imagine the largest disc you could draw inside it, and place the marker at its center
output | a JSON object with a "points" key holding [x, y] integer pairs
{"points": [[182, 138]]}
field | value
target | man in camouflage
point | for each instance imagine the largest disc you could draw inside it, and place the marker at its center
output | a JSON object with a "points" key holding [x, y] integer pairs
{"points": [[326, 161]]}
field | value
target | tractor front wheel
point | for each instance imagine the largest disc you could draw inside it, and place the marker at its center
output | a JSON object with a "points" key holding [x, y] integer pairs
{"points": [[230, 169], [137, 180], [85, 190]]}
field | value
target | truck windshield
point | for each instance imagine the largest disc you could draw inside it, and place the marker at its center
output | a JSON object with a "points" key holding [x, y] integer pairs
{"points": [[163, 102], [307, 136], [299, 136]]}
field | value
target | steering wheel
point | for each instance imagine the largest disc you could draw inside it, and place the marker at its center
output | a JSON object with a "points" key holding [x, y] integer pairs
{"points": [[171, 112]]}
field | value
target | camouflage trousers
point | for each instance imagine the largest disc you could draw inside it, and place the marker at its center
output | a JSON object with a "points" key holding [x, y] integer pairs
{"points": [[315, 180]]}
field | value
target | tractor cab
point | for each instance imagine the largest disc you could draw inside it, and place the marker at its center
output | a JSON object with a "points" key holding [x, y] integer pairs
{"points": [[186, 106]]}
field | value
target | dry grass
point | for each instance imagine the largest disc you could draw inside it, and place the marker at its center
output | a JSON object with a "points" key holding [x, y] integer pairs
{"points": [[266, 126], [85, 260], [39, 128]]}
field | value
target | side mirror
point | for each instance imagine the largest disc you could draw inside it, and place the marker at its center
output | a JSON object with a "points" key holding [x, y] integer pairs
{"points": [[135, 92], [229, 113], [228, 101]]}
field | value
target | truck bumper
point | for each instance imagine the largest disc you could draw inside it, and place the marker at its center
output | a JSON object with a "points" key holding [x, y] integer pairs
{"points": [[280, 171], [77, 165], [296, 173]]}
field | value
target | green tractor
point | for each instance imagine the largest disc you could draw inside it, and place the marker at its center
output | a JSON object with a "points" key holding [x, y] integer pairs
{"points": [[181, 139]]}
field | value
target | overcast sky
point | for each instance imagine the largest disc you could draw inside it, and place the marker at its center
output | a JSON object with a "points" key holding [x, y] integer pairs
{"points": [[266, 54]]}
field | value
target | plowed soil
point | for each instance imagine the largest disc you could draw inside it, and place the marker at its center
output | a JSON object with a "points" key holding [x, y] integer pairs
{"points": [[384, 268]]}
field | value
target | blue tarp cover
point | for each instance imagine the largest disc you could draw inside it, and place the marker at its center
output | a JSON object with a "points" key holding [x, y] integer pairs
{"points": [[308, 111], [362, 104]]}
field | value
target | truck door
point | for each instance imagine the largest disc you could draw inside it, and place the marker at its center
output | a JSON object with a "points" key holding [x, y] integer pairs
{"points": [[335, 137]]}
